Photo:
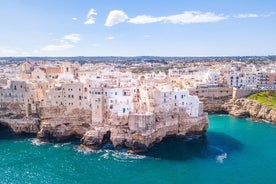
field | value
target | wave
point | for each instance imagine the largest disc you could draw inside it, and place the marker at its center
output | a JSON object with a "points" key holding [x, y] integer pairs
{"points": [[86, 150], [125, 155], [220, 158], [121, 156], [61, 145], [111, 154], [37, 142]]}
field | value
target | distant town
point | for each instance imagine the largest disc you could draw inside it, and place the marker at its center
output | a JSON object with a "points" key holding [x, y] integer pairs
{"points": [[131, 84]]}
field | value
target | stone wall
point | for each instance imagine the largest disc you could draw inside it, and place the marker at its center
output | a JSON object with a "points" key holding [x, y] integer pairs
{"points": [[241, 93]]}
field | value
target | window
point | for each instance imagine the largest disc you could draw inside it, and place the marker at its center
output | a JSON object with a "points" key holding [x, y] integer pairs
{"points": [[124, 110], [115, 93]]}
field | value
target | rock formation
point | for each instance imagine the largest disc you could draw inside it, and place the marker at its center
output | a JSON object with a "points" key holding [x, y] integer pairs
{"points": [[12, 115], [248, 108], [57, 125], [136, 132], [141, 131]]}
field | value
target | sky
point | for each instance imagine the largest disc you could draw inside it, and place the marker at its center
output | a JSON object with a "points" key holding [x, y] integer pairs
{"points": [[137, 27]]}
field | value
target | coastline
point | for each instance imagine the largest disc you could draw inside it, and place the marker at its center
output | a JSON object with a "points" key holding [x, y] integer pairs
{"points": [[54, 127]]}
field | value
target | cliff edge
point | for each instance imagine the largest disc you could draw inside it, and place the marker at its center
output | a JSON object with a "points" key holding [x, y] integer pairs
{"points": [[244, 108]]}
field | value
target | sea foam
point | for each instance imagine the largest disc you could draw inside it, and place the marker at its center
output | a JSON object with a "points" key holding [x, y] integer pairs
{"points": [[221, 158]]}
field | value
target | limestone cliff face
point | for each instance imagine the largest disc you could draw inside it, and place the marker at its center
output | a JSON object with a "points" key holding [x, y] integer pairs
{"points": [[136, 132], [24, 125], [142, 131], [13, 115], [58, 125], [248, 108]]}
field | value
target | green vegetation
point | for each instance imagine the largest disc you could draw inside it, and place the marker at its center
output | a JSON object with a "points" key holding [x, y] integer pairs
{"points": [[265, 97]]}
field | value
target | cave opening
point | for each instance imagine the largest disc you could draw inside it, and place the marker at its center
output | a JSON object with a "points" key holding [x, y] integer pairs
{"points": [[7, 133], [106, 141]]}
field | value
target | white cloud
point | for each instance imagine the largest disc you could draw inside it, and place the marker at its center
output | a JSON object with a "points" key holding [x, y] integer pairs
{"points": [[74, 18], [190, 17], [36, 51], [59, 47], [187, 17], [5, 51], [90, 16], [72, 38], [252, 15], [110, 38], [16, 52], [65, 43], [25, 54], [115, 17], [146, 19]]}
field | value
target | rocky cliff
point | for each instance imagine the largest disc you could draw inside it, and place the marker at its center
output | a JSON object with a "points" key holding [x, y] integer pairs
{"points": [[12, 115], [57, 125], [248, 108], [141, 131], [136, 132]]}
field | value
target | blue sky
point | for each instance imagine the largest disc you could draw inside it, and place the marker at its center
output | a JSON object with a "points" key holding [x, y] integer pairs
{"points": [[137, 27]]}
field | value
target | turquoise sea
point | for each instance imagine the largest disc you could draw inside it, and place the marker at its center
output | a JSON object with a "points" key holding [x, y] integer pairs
{"points": [[233, 151]]}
